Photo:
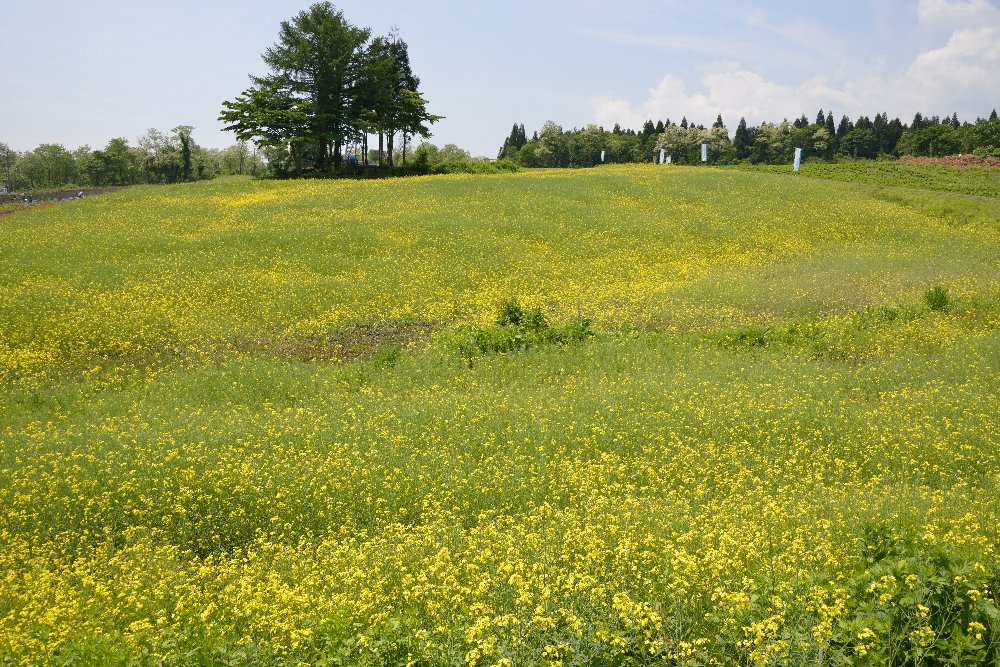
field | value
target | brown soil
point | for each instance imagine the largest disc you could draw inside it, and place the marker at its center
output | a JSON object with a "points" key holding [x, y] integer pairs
{"points": [[954, 160], [69, 194], [356, 341], [48, 197]]}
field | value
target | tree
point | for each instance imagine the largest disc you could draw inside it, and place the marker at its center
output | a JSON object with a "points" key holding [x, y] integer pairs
{"points": [[551, 146], [742, 141], [317, 56], [183, 134], [118, 162], [328, 89], [720, 149], [648, 130], [8, 159], [831, 128], [676, 142], [270, 114], [772, 144], [860, 142], [820, 140], [509, 145], [49, 165], [986, 136], [931, 139], [405, 110], [843, 128]]}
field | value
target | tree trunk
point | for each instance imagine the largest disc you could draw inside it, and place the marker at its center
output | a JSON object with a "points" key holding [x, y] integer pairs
{"points": [[381, 149], [364, 150], [404, 149], [392, 135], [297, 159]]}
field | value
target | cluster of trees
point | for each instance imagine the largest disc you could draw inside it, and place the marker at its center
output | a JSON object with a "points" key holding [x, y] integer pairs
{"points": [[769, 143], [451, 159], [330, 88], [156, 157]]}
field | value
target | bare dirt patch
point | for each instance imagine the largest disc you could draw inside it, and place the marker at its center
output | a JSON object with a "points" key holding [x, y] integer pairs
{"points": [[19, 201], [359, 341]]}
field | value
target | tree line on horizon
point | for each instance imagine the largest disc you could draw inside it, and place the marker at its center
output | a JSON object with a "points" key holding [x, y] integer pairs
{"points": [[156, 157], [768, 143]]}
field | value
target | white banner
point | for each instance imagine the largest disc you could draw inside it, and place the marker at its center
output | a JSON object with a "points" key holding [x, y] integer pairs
{"points": [[662, 154], [602, 156], [798, 159], [669, 158], [704, 152]]}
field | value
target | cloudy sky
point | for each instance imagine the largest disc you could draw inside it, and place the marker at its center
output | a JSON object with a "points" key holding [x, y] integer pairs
{"points": [[84, 72]]}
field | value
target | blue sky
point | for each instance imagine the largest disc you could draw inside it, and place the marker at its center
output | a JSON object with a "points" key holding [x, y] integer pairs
{"points": [[81, 73]]}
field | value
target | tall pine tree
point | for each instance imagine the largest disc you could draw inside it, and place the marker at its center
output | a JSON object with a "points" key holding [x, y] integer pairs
{"points": [[742, 141], [832, 129]]}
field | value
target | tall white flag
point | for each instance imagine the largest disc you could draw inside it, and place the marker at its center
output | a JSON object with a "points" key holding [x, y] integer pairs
{"points": [[798, 159], [602, 156], [662, 154], [704, 152]]}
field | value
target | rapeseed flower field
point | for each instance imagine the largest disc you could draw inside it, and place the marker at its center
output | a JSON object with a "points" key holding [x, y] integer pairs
{"points": [[238, 428]]}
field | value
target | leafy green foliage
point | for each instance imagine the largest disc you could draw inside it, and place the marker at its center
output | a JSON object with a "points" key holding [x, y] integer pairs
{"points": [[936, 298], [519, 329], [450, 159], [327, 85], [918, 604]]}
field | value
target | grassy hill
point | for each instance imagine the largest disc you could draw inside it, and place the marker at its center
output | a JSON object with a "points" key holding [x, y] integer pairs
{"points": [[975, 181], [270, 422]]}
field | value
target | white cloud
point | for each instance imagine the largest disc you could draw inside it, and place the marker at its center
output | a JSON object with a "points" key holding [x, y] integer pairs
{"points": [[965, 69], [729, 90], [959, 76], [952, 14]]}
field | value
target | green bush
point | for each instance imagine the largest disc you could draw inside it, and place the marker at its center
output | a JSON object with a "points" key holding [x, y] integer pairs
{"points": [[937, 298], [510, 314], [920, 605], [519, 329]]}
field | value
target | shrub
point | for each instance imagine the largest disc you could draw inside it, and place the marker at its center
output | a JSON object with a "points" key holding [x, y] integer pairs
{"points": [[510, 314], [519, 329], [937, 298], [387, 357], [920, 604]]}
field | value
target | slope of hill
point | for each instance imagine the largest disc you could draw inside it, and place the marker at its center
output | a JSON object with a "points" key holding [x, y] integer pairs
{"points": [[914, 173], [278, 423]]}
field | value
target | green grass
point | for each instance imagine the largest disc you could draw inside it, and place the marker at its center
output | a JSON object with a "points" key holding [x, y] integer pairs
{"points": [[981, 181], [242, 423], [11, 207]]}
